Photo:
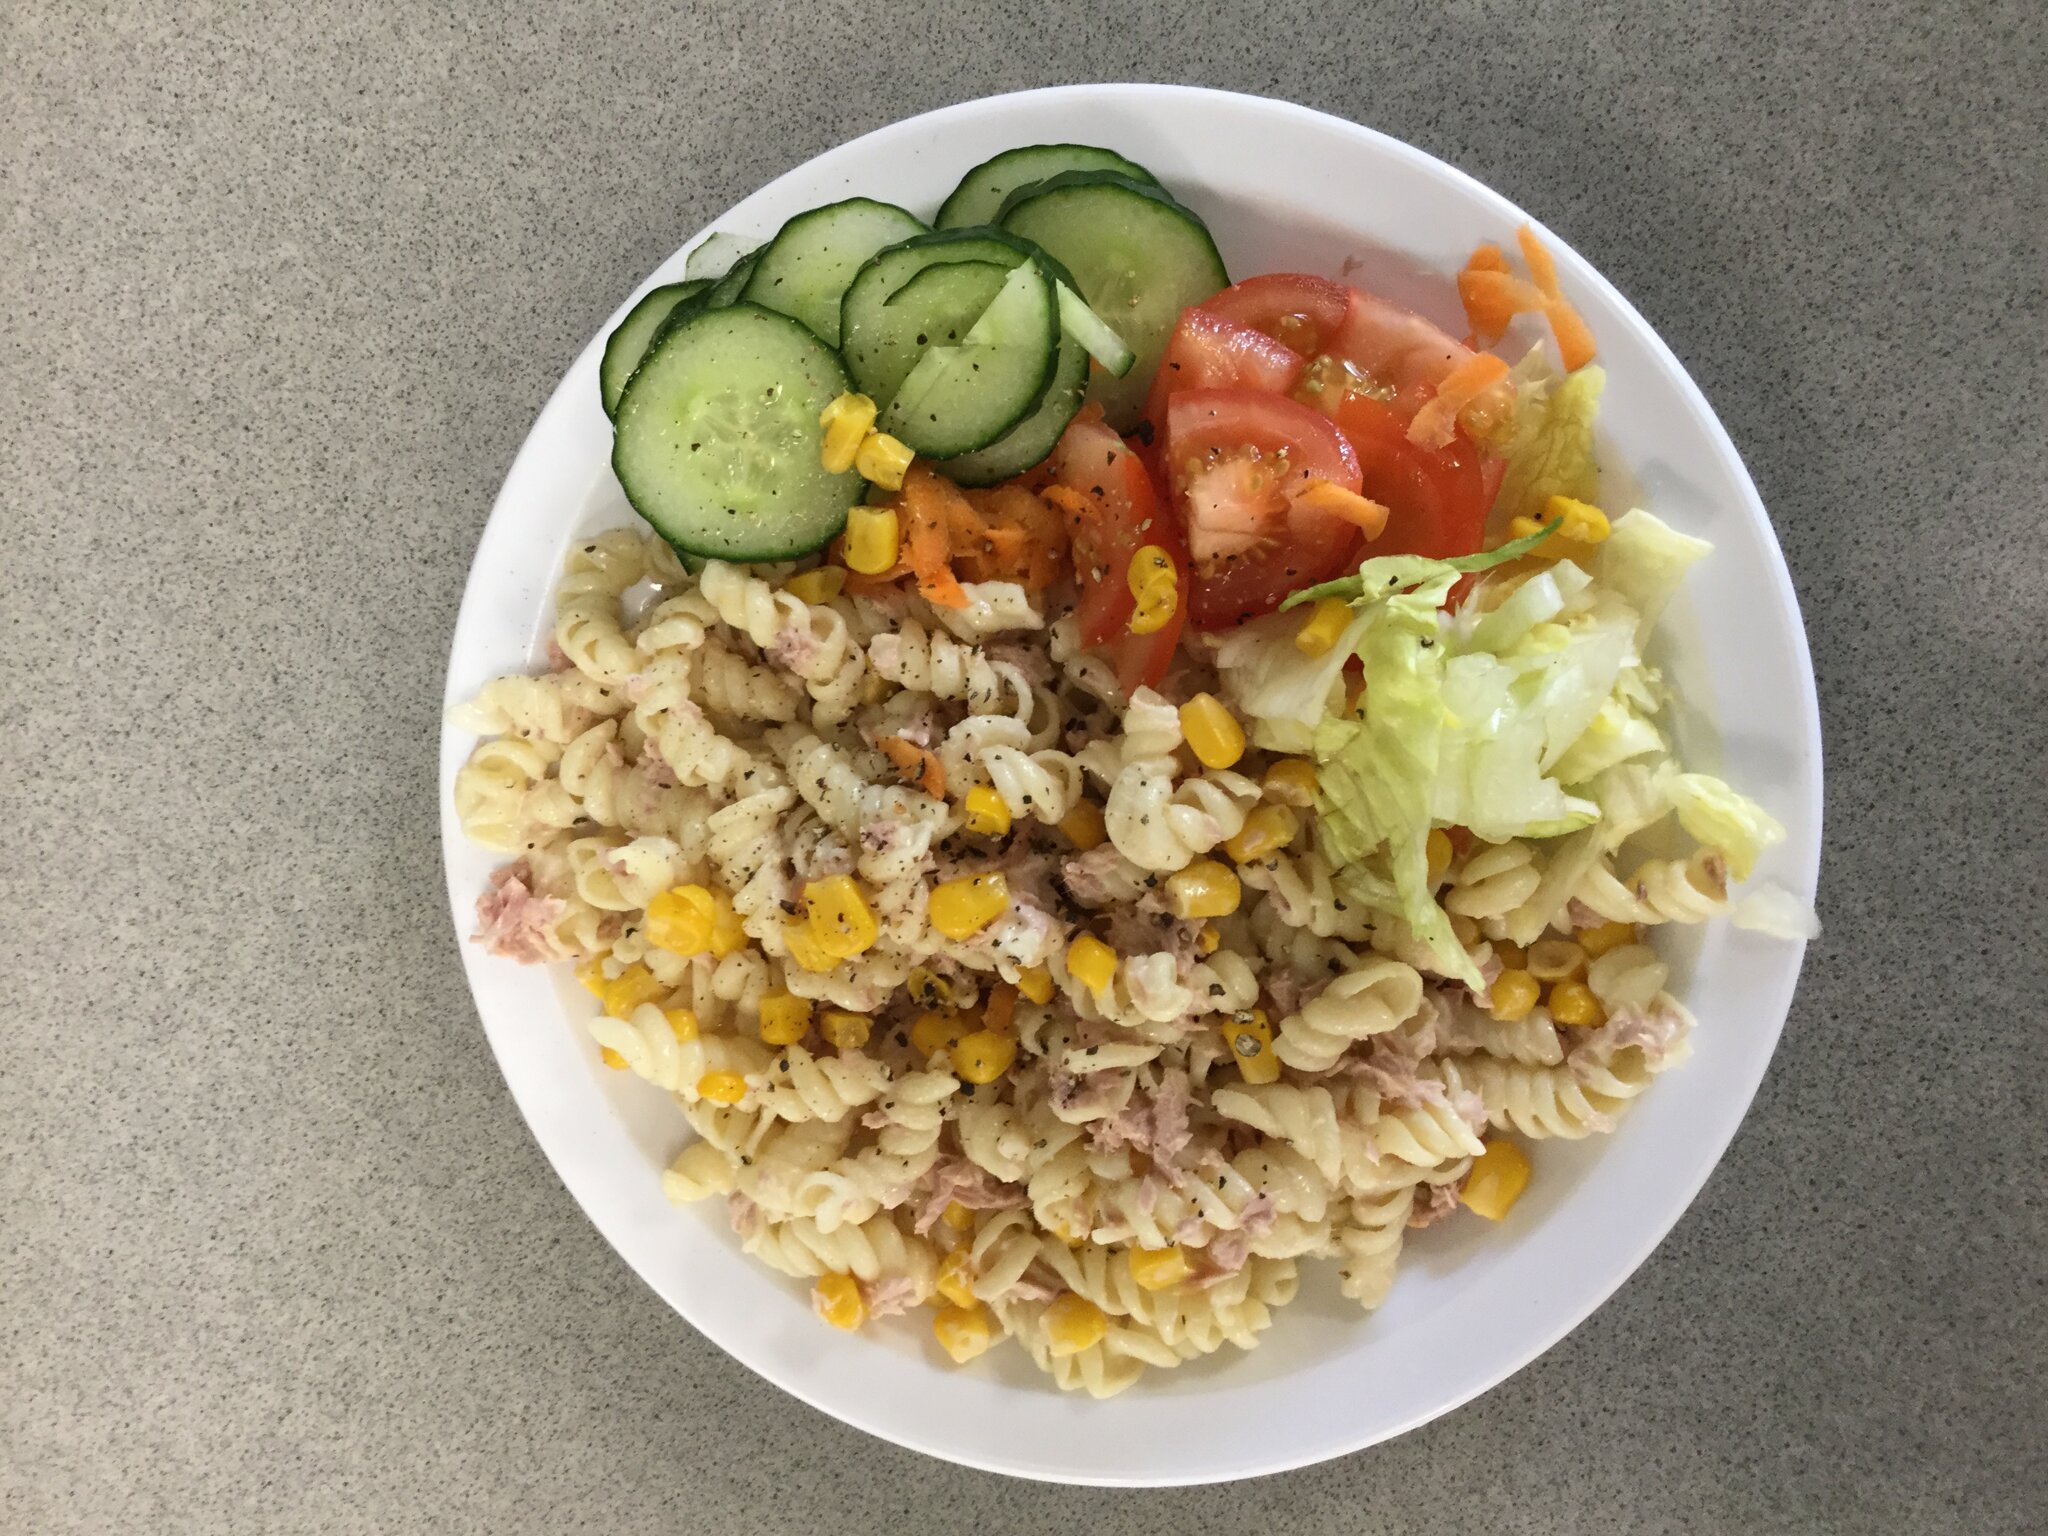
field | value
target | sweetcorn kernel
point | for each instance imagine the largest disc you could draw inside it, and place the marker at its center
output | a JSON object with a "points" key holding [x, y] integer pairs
{"points": [[983, 1056], [1073, 1323], [1155, 1269], [1212, 731], [1498, 1177], [844, 1030], [955, 1279], [1084, 826], [988, 814], [682, 1023], [612, 1059], [1091, 962], [785, 1019], [1266, 830], [1250, 1039], [1598, 941], [935, 1032], [1573, 1005], [1206, 888], [837, 1299], [819, 585], [963, 1332], [1439, 851], [1513, 995], [722, 1087], [1291, 781], [1035, 982], [962, 908], [629, 989]]}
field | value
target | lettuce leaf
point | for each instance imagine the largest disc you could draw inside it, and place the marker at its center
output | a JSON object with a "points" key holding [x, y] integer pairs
{"points": [[1723, 818], [1282, 692], [1642, 562], [1773, 910], [1550, 452]]}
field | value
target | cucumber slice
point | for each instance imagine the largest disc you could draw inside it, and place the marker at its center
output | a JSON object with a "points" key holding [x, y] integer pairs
{"points": [[728, 288], [1028, 443], [718, 438], [960, 398], [1089, 328], [626, 345], [716, 254], [877, 335], [1141, 259], [808, 265], [979, 197], [935, 308]]}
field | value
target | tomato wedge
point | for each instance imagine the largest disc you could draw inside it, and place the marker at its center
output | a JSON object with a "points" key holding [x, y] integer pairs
{"points": [[1401, 351], [1295, 309], [1112, 512], [1437, 498], [1237, 461], [1209, 352]]}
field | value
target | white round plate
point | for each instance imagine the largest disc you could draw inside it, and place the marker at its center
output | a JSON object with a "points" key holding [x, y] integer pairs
{"points": [[1283, 188]]}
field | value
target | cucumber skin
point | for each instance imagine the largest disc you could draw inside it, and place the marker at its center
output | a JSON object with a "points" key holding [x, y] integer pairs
{"points": [[1054, 340], [949, 215], [1037, 435], [766, 550], [614, 356], [765, 275]]}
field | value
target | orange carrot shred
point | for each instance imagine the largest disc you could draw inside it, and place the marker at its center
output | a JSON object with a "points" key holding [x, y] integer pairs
{"points": [[1437, 422], [1492, 299], [1574, 336], [1488, 258], [1362, 511], [920, 766], [926, 504], [1542, 267]]}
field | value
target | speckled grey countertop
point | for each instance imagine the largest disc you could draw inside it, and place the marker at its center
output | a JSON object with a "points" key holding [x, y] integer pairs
{"points": [[281, 299]]}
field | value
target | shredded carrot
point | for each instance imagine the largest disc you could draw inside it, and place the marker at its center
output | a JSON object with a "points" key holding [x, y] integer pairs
{"points": [[1542, 267], [1071, 502], [1488, 258], [1325, 496], [1574, 336], [926, 504], [1437, 422], [1014, 536], [920, 766], [1492, 299]]}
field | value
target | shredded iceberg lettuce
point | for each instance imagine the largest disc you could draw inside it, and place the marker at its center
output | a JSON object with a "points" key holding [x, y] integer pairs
{"points": [[1725, 819], [1550, 451], [1771, 909], [1642, 562]]}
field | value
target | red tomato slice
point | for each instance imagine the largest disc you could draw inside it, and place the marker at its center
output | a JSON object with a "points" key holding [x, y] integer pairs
{"points": [[1235, 461], [1300, 311], [1437, 499], [1396, 348], [1112, 512], [1207, 352]]}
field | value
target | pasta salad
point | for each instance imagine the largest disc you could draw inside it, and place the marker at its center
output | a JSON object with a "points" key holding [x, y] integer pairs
{"points": [[1078, 850]]}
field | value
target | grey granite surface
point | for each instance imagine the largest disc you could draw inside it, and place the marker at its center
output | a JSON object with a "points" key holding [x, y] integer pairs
{"points": [[281, 290]]}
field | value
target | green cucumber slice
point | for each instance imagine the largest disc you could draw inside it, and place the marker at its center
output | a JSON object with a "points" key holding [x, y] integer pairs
{"points": [[979, 197], [963, 397], [1089, 328], [1028, 443], [728, 288], [718, 438], [1140, 258], [936, 307], [806, 268], [627, 344], [715, 255]]}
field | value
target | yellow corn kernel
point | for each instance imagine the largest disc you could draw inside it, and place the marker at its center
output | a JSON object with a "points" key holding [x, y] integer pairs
{"points": [[983, 1056], [928, 987], [1291, 781], [820, 585], [728, 933], [1208, 941], [962, 908], [801, 940], [1512, 957], [962, 1332], [1268, 829], [882, 460], [1324, 627], [1598, 941], [955, 1280], [629, 989], [1154, 581], [1513, 994], [612, 1059], [785, 1019], [682, 1023], [1583, 523], [988, 813], [847, 422], [845, 1031], [680, 919], [1155, 1269], [593, 978], [1440, 851], [1573, 1005], [1206, 888], [722, 1087], [873, 538], [1212, 731], [1556, 960], [935, 1032], [1072, 1324], [957, 1216], [839, 916], [1499, 1175], [1091, 962], [1035, 982], [837, 1299], [1251, 1041], [1084, 826]]}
